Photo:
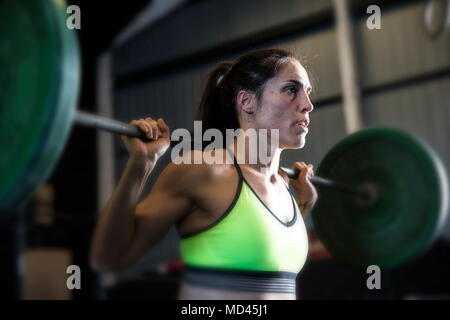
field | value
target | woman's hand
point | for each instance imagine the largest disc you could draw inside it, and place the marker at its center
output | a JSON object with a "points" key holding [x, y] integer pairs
{"points": [[306, 192], [156, 131]]}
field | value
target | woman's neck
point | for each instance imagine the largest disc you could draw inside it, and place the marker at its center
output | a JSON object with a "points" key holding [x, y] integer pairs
{"points": [[262, 157]]}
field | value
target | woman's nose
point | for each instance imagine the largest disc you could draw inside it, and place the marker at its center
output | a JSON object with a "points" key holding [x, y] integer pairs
{"points": [[306, 104]]}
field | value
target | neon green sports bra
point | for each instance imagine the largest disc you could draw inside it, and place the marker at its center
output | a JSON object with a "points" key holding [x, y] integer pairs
{"points": [[248, 237]]}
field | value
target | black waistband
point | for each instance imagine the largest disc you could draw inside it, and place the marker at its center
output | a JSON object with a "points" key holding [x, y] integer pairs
{"points": [[254, 281]]}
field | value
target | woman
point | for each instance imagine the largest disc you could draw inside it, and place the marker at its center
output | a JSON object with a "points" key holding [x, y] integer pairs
{"points": [[242, 234]]}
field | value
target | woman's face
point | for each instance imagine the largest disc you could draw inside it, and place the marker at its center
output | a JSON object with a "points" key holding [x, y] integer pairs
{"points": [[285, 105]]}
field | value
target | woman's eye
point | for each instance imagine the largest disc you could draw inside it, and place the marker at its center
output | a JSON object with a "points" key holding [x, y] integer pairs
{"points": [[292, 90]]}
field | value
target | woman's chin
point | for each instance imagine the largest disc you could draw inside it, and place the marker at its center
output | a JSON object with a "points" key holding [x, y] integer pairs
{"points": [[297, 143]]}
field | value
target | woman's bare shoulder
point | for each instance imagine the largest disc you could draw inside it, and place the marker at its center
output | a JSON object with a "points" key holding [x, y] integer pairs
{"points": [[198, 167]]}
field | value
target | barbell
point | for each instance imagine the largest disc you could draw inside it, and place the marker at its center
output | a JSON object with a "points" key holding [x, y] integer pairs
{"points": [[383, 194], [90, 120]]}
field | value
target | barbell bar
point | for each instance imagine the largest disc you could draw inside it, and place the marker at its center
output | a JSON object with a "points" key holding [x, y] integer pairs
{"points": [[94, 121]]}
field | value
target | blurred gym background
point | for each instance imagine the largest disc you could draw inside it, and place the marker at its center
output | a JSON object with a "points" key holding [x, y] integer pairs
{"points": [[150, 57]]}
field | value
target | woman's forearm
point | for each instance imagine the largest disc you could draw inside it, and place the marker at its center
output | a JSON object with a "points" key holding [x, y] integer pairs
{"points": [[115, 228]]}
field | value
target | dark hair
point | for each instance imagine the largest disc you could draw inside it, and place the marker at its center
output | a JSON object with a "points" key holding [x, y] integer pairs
{"points": [[248, 72]]}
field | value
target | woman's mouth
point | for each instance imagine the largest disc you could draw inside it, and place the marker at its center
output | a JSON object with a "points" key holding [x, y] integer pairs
{"points": [[302, 125]]}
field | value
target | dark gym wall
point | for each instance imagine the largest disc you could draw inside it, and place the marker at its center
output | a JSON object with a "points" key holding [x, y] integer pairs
{"points": [[404, 74]]}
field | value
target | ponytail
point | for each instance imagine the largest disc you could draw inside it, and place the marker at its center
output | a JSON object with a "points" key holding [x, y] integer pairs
{"points": [[216, 110]]}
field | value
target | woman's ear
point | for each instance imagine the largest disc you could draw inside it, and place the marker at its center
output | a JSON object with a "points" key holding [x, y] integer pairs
{"points": [[245, 101]]}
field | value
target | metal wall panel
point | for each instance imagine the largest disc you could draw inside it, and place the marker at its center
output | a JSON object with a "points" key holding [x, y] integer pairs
{"points": [[401, 49], [204, 24], [422, 110]]}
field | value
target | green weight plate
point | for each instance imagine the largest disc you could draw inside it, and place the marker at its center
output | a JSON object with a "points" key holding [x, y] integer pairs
{"points": [[39, 86], [410, 208]]}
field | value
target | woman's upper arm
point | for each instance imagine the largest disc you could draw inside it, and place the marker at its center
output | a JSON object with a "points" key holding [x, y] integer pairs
{"points": [[168, 201]]}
